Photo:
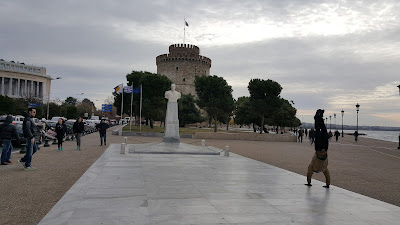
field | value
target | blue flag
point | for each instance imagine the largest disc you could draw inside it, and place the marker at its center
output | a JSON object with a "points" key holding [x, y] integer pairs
{"points": [[136, 90]]}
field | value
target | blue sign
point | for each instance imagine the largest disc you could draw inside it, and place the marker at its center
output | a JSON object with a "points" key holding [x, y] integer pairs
{"points": [[106, 108], [34, 105]]}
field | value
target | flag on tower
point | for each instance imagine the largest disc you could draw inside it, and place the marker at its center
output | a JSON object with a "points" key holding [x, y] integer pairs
{"points": [[186, 23]]}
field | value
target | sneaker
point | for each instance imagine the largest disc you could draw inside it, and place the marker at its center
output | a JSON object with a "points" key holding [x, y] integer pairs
{"points": [[4, 164], [21, 162], [29, 168], [79, 148], [105, 143], [61, 149], [8, 161], [58, 149]]}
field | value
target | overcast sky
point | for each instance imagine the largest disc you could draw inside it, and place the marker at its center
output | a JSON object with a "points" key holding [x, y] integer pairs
{"points": [[325, 54]]}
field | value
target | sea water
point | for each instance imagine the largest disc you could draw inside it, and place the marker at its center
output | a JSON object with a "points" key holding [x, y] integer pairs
{"points": [[392, 136]]}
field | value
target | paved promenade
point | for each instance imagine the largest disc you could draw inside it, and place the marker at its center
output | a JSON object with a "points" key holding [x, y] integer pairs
{"points": [[207, 189]]}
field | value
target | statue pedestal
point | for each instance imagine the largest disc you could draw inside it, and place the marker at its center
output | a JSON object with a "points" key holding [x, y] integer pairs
{"points": [[171, 133]]}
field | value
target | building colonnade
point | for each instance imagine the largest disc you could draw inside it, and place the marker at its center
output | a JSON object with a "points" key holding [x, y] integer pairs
{"points": [[14, 87]]}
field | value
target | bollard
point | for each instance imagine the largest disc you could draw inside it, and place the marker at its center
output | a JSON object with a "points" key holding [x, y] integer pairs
{"points": [[125, 139], [226, 151], [203, 143], [122, 148], [46, 143]]}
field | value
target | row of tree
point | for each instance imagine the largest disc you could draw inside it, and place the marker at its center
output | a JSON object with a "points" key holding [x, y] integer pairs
{"points": [[70, 108], [214, 96]]}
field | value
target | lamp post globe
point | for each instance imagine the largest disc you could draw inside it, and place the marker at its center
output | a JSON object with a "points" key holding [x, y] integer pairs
{"points": [[342, 120]]}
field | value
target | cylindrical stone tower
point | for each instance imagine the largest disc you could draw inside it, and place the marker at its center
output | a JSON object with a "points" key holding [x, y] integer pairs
{"points": [[182, 65]]}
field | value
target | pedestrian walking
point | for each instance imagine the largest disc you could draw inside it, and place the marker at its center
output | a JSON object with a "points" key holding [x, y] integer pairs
{"points": [[301, 133], [30, 130], [356, 136], [102, 128], [311, 136], [78, 129], [319, 162], [337, 134], [306, 132], [61, 130], [7, 132]]}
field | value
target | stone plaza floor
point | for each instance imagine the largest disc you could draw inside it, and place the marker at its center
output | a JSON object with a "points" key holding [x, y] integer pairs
{"points": [[174, 189]]}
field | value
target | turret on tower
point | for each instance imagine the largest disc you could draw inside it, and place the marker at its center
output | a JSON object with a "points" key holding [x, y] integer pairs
{"points": [[182, 65]]}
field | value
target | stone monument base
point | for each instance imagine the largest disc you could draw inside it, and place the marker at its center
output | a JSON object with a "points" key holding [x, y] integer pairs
{"points": [[171, 139], [172, 148]]}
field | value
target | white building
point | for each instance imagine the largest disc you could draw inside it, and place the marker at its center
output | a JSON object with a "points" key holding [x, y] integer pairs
{"points": [[18, 80]]}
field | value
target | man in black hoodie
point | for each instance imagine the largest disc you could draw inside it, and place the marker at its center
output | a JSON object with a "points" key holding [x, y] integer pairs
{"points": [[102, 128], [30, 129], [7, 132]]}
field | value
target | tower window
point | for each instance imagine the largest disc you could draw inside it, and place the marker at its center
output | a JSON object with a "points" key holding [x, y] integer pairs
{"points": [[184, 79], [177, 68]]}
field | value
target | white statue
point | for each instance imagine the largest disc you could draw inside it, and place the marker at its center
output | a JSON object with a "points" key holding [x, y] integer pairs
{"points": [[171, 119], [172, 95]]}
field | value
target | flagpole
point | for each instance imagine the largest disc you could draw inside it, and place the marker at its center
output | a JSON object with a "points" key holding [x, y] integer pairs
{"points": [[122, 102], [184, 29], [140, 112], [130, 120]]}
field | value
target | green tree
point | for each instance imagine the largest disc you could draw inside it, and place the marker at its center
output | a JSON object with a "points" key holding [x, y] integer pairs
{"points": [[214, 96], [54, 110], [153, 102], [264, 98], [188, 112], [6, 104], [70, 101], [244, 114], [69, 111], [285, 115]]}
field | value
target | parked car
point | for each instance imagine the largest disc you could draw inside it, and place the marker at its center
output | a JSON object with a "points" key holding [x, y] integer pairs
{"points": [[113, 122], [18, 126], [90, 125], [70, 124]]}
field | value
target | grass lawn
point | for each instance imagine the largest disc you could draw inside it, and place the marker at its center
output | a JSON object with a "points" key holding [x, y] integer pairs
{"points": [[182, 130]]}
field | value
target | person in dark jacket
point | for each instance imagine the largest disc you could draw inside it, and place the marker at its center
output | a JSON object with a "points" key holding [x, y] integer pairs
{"points": [[319, 162], [7, 132], [29, 128], [61, 130], [337, 134], [78, 128], [102, 128]]}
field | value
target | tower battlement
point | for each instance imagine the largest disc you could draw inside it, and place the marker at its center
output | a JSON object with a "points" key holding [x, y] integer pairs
{"points": [[182, 64]]}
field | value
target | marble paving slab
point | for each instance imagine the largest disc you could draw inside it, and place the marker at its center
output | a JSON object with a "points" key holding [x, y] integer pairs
{"points": [[173, 189]]}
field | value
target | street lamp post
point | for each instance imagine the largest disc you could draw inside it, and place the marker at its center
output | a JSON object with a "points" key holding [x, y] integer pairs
{"points": [[330, 123], [334, 116], [342, 120], [48, 99], [399, 134], [358, 109]]}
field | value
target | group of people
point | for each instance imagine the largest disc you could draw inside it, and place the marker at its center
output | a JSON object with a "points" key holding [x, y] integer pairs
{"points": [[9, 132]]}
